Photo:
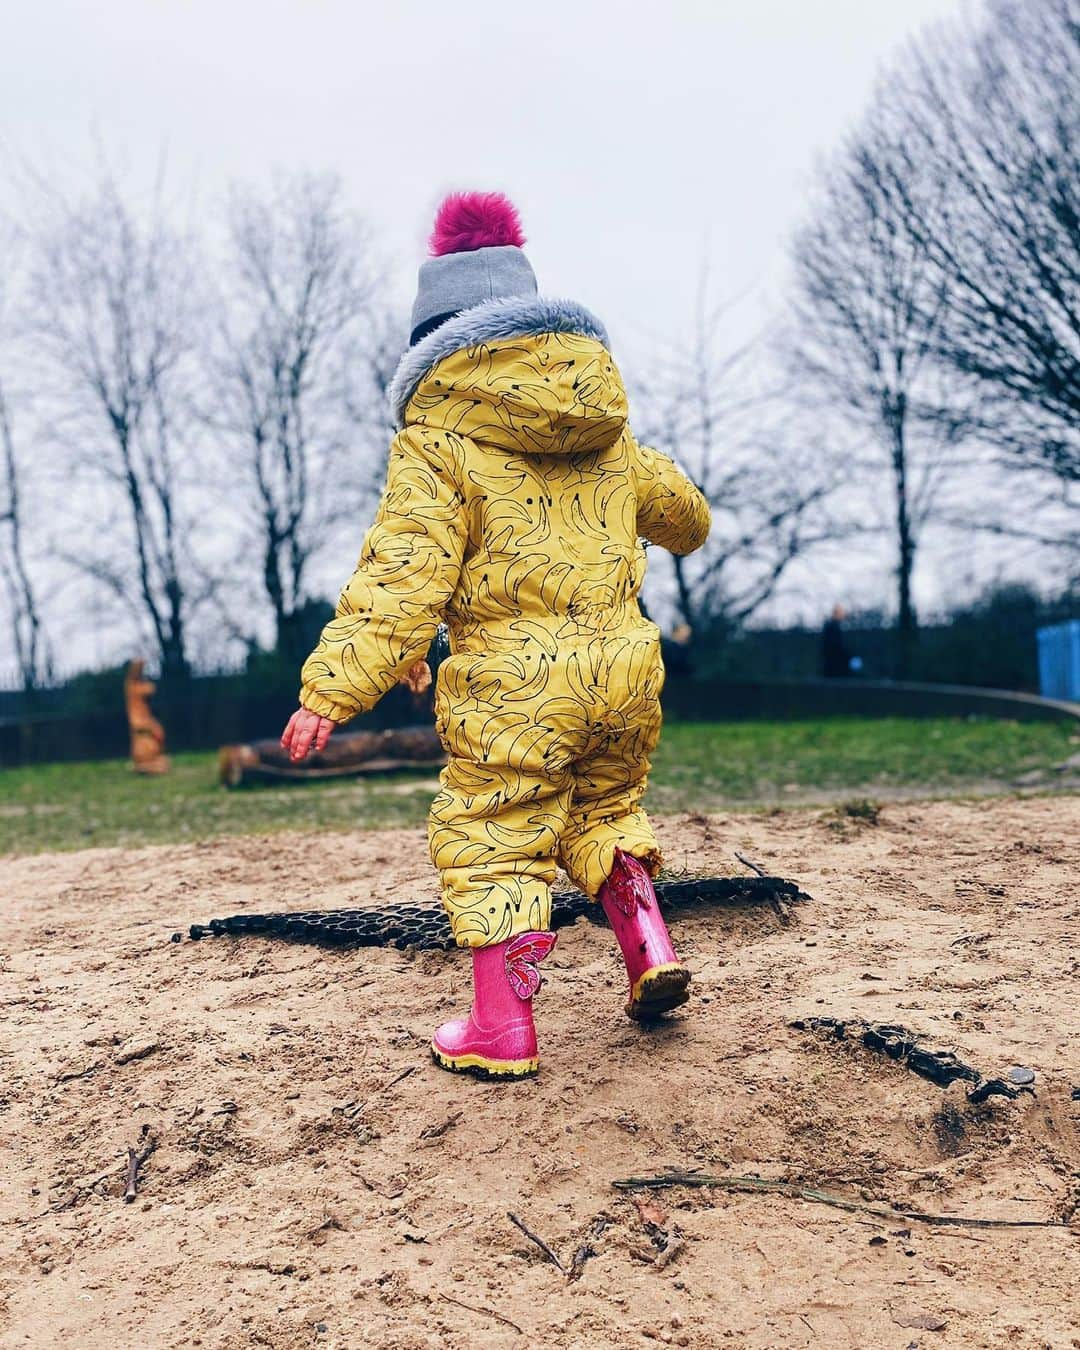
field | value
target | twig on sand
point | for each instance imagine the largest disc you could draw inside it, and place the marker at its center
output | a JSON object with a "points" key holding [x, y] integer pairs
{"points": [[752, 865], [84, 1188], [533, 1237], [577, 1261], [587, 1250], [782, 911], [486, 1312], [352, 1109], [77, 1073], [135, 1160], [674, 1247], [430, 1132], [757, 1185]]}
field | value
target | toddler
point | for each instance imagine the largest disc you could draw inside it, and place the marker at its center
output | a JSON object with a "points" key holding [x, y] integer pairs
{"points": [[515, 504]]}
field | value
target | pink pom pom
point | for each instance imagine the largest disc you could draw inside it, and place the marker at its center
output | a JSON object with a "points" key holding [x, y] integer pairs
{"points": [[471, 220]]}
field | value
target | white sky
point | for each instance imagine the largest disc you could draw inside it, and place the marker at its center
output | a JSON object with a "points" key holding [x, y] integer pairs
{"points": [[637, 139], [632, 136]]}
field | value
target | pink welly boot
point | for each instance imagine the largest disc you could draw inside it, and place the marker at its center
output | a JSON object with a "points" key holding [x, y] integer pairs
{"points": [[658, 979], [497, 1039]]}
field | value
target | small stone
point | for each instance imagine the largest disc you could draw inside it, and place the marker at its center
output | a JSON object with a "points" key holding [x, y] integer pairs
{"points": [[923, 1321], [135, 1050], [1021, 1075]]}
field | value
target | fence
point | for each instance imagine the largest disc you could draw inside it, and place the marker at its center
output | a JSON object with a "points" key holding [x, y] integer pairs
{"points": [[764, 673], [202, 714], [220, 710]]}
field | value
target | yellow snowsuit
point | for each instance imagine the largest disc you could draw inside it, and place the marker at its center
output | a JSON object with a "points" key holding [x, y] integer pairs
{"points": [[514, 507]]}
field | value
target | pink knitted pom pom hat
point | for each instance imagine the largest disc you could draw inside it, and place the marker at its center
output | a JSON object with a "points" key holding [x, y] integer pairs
{"points": [[470, 220], [476, 256]]}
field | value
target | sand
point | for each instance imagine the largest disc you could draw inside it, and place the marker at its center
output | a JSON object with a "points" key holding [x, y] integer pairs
{"points": [[317, 1181]]}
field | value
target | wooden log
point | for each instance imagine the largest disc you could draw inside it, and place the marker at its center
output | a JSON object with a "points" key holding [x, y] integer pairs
{"points": [[346, 753]]}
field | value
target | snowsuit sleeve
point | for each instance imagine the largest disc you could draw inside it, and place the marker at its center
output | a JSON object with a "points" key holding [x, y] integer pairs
{"points": [[409, 566], [671, 511]]}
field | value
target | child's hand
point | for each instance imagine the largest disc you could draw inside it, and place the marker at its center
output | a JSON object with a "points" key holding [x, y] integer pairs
{"points": [[417, 679], [306, 731]]}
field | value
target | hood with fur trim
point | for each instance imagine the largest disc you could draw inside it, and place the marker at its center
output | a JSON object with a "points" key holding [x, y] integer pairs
{"points": [[524, 375]]}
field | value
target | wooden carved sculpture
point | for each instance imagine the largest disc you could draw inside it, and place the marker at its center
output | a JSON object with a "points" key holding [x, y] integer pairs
{"points": [[147, 733]]}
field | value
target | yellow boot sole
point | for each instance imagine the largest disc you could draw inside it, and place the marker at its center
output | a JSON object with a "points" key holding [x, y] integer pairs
{"points": [[658, 991], [482, 1067]]}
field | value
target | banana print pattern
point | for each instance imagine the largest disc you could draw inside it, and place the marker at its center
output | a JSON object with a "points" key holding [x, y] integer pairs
{"points": [[515, 506]]}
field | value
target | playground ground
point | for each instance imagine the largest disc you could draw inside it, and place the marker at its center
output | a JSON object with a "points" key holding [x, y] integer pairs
{"points": [[316, 1181]]}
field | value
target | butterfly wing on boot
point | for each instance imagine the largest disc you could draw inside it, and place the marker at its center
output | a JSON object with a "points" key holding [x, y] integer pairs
{"points": [[523, 953]]}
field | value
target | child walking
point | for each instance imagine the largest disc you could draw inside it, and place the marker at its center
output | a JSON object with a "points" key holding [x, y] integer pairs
{"points": [[515, 504]]}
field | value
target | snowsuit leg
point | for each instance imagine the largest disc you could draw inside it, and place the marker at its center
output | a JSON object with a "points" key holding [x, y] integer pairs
{"points": [[495, 826], [494, 833], [612, 773], [548, 762], [605, 809]]}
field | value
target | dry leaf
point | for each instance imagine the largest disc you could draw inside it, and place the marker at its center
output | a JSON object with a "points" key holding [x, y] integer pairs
{"points": [[650, 1211]]}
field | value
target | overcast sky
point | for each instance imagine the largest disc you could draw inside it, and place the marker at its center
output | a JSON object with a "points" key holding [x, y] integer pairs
{"points": [[636, 139], [633, 137]]}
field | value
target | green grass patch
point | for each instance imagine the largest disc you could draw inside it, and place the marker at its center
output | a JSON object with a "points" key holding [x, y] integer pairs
{"points": [[698, 767], [756, 762]]}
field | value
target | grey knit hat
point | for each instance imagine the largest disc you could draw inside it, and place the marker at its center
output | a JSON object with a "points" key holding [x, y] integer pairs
{"points": [[476, 245]]}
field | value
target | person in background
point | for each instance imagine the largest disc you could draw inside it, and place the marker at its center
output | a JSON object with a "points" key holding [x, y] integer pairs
{"points": [[835, 657], [678, 650]]}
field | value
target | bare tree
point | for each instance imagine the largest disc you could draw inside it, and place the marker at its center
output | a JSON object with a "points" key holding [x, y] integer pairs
{"points": [[296, 373], [707, 406], [27, 629], [20, 594], [111, 311], [865, 321], [992, 118]]}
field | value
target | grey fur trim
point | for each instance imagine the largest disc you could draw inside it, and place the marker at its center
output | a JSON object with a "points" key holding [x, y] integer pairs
{"points": [[488, 322]]}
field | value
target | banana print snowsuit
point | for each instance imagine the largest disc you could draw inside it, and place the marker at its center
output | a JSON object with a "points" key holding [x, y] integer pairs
{"points": [[515, 503]]}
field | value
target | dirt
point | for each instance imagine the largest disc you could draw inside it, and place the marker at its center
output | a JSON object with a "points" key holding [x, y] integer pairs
{"points": [[317, 1181]]}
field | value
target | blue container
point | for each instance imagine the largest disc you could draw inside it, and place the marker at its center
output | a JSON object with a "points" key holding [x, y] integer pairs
{"points": [[1059, 661]]}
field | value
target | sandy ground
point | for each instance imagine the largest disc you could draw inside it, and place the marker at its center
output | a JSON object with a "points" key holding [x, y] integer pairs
{"points": [[317, 1181]]}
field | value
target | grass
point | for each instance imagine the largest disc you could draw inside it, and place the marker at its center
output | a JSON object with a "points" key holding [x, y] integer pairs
{"points": [[699, 767]]}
